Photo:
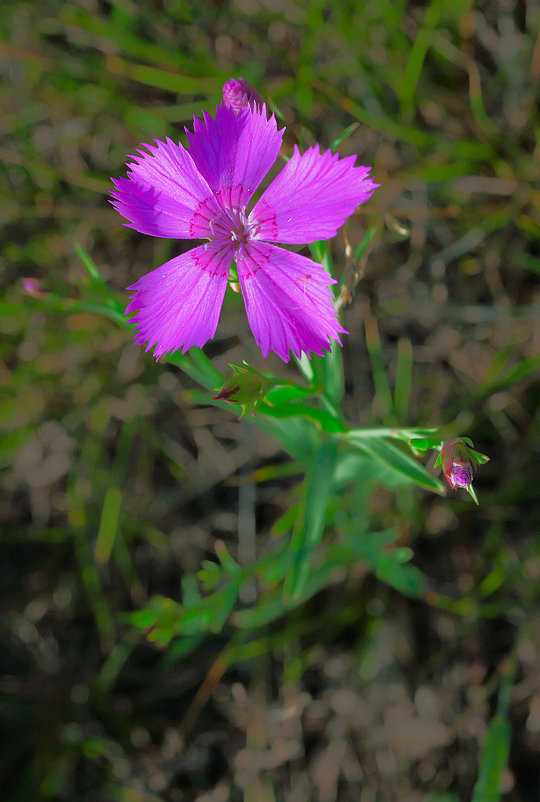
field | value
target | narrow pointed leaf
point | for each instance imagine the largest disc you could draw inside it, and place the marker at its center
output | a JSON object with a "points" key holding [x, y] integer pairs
{"points": [[401, 462]]}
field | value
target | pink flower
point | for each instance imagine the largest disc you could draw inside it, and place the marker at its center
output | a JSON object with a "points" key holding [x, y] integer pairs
{"points": [[203, 193], [238, 94]]}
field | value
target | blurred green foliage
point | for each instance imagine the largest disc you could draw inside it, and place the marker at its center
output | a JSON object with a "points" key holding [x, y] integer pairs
{"points": [[137, 515]]}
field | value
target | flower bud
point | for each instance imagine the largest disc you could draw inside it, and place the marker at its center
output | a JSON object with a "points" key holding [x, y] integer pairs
{"points": [[239, 390], [238, 95], [458, 467], [459, 461], [247, 387]]}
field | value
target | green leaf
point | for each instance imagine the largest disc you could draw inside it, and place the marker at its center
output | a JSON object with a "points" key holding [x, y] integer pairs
{"points": [[399, 461], [297, 436], [305, 367], [195, 366], [159, 619], [111, 308], [397, 433], [361, 469], [193, 622], [210, 574], [191, 598], [311, 518], [493, 761], [327, 421], [330, 371], [263, 613], [223, 604], [281, 393], [406, 578], [423, 443], [205, 366], [182, 646], [108, 526], [528, 262], [496, 747]]}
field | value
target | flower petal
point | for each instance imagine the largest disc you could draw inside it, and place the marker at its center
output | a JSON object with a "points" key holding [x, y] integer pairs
{"points": [[288, 301], [178, 305], [235, 153], [162, 193], [311, 197]]}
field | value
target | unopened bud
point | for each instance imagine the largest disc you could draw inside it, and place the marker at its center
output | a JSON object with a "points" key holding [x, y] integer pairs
{"points": [[239, 393], [459, 462], [247, 387], [238, 95], [457, 465]]}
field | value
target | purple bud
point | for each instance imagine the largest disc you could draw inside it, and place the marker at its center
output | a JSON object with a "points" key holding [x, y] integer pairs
{"points": [[457, 464], [32, 286], [238, 95]]}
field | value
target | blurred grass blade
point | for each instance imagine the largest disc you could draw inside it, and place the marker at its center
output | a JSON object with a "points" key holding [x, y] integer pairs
{"points": [[69, 306], [88, 262], [528, 262], [110, 516], [205, 367], [161, 79], [311, 518], [115, 661], [225, 601], [364, 242], [390, 567], [493, 761], [197, 369], [402, 387], [380, 379], [305, 367], [328, 369], [496, 747], [229, 565], [417, 55], [333, 382], [191, 598], [343, 136], [386, 124]]}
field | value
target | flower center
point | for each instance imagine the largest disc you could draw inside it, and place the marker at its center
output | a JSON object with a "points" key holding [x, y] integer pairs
{"points": [[239, 234], [223, 217], [232, 224]]}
